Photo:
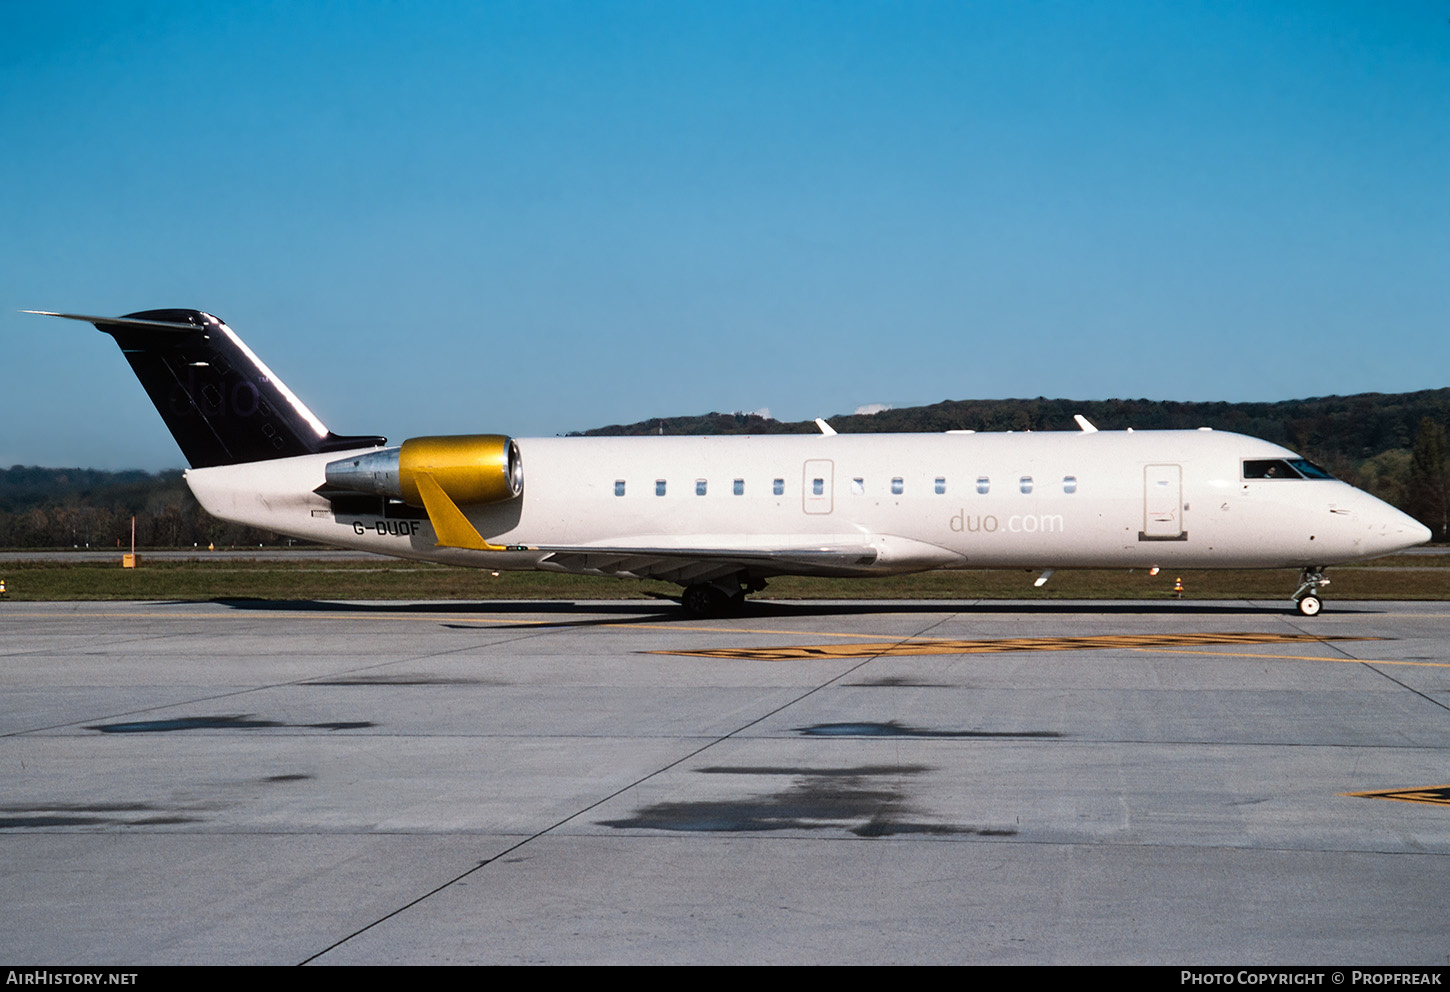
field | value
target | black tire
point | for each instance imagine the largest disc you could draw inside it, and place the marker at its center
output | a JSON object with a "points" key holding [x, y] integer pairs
{"points": [[1310, 605], [701, 600]]}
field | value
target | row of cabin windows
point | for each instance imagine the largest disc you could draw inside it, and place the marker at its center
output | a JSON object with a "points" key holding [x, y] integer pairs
{"points": [[702, 486], [858, 486]]}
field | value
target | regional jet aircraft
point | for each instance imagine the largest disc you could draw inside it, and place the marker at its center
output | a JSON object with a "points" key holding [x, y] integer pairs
{"points": [[721, 515]]}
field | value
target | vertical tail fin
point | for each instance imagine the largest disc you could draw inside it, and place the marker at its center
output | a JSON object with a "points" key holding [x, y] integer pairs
{"points": [[219, 400]]}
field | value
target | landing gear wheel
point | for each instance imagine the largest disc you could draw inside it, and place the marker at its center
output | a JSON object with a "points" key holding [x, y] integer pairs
{"points": [[1306, 597], [711, 599], [701, 600]]}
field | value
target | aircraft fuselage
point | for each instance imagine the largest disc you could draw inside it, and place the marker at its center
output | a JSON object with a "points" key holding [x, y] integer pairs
{"points": [[921, 501]]}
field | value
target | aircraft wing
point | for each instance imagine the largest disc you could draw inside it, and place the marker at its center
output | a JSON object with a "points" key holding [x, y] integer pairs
{"points": [[692, 565]]}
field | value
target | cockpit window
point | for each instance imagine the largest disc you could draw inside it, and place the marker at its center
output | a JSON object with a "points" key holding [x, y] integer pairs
{"points": [[1269, 468], [1308, 469], [1283, 468]]}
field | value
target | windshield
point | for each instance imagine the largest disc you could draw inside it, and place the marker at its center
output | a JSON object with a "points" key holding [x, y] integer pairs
{"points": [[1308, 469]]}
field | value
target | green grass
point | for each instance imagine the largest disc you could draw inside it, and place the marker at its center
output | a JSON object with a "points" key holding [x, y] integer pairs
{"points": [[1401, 577]]}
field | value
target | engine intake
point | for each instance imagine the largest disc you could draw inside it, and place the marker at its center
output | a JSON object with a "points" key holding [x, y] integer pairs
{"points": [[469, 468]]}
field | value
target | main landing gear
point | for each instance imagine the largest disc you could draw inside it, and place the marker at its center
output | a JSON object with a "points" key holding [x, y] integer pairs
{"points": [[1306, 597], [718, 599]]}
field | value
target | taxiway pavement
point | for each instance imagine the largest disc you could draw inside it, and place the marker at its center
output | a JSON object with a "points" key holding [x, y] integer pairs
{"points": [[845, 782]]}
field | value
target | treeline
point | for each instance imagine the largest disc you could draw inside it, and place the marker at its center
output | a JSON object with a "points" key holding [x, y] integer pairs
{"points": [[1324, 427], [88, 508], [1393, 446]]}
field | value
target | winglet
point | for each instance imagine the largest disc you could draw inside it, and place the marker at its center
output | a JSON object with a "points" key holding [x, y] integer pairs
{"points": [[1087, 427], [826, 428]]}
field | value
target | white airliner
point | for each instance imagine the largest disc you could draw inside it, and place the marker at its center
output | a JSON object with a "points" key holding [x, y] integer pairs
{"points": [[721, 515]]}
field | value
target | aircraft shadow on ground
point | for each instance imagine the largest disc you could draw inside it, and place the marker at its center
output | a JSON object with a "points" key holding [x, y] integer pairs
{"points": [[653, 613]]}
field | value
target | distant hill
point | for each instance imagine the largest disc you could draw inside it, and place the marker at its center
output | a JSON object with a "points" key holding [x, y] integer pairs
{"points": [[1325, 428]]}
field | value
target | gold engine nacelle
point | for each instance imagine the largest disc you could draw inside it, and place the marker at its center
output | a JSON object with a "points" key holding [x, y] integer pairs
{"points": [[470, 469]]}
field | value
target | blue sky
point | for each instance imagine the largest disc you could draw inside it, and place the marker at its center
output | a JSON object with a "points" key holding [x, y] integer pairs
{"points": [[530, 218]]}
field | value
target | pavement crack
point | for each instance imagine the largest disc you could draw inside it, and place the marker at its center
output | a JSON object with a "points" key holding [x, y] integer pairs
{"points": [[1372, 666]]}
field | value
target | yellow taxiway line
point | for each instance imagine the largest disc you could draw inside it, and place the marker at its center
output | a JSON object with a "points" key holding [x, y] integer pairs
{"points": [[1302, 657], [907, 646]]}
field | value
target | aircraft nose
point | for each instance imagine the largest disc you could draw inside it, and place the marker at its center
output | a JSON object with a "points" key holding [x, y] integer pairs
{"points": [[1398, 531], [1376, 528]]}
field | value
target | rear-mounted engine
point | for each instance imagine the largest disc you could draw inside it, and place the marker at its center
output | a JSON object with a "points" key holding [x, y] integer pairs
{"points": [[470, 469]]}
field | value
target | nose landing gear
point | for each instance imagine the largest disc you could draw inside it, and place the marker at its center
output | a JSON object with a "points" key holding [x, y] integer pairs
{"points": [[1306, 597]]}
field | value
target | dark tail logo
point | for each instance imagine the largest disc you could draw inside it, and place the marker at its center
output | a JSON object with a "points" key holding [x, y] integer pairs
{"points": [[219, 400]]}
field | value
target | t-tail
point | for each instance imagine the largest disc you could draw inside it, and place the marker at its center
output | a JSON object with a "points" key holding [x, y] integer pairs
{"points": [[219, 400]]}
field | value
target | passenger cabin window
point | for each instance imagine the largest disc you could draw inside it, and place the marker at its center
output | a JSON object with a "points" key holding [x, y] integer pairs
{"points": [[778, 487], [619, 487], [659, 487], [1069, 483], [739, 487], [896, 486], [1026, 484], [858, 487], [699, 487], [941, 485], [818, 487], [1283, 468], [983, 484]]}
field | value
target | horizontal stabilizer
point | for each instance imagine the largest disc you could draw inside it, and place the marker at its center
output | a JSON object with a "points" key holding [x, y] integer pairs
{"points": [[104, 322]]}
